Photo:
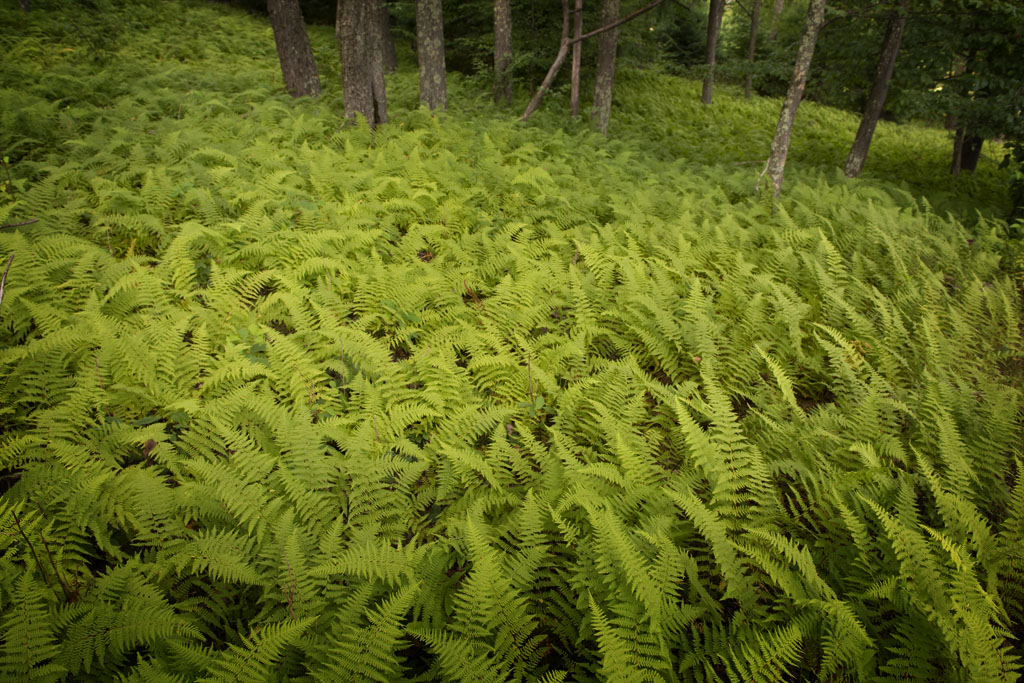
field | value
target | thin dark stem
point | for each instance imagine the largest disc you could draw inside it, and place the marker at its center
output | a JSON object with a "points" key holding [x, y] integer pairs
{"points": [[18, 225], [31, 547], [616, 24]]}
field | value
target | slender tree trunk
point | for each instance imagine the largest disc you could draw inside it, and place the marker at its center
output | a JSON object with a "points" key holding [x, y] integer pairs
{"points": [[879, 91], [387, 41], [362, 60], [378, 86], [607, 44], [577, 55], [716, 9], [970, 151], [780, 144], [430, 52], [755, 21], [297, 64], [776, 18], [502, 51]]}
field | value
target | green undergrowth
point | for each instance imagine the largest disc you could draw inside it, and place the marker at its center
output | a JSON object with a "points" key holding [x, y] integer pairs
{"points": [[463, 399]]}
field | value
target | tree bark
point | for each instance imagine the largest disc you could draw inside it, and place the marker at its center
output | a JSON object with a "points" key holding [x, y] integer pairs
{"points": [[966, 151], [755, 21], [563, 50], [607, 45], [502, 51], [297, 63], [783, 131], [958, 151], [879, 90], [776, 17], [430, 52], [577, 55], [362, 69], [716, 8], [387, 40], [377, 84]]}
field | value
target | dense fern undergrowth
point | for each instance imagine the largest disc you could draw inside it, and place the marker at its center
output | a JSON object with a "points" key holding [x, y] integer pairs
{"points": [[465, 399]]}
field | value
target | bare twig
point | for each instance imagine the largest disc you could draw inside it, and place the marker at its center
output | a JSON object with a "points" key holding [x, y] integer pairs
{"points": [[18, 225], [615, 24]]}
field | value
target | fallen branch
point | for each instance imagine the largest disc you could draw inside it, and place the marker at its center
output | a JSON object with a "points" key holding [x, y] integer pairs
{"points": [[563, 50], [18, 225]]}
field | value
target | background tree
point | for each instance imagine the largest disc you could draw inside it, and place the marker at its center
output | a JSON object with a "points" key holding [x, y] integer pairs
{"points": [[502, 51], [430, 53], [297, 63], [577, 57], [716, 9], [755, 23], [387, 39], [783, 131], [879, 89], [604, 76], [362, 68]]}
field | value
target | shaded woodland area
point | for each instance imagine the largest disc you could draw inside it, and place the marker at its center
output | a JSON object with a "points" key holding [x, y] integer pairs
{"points": [[511, 341]]}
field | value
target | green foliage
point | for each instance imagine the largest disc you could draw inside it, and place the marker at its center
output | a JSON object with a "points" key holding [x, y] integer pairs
{"points": [[462, 399]]}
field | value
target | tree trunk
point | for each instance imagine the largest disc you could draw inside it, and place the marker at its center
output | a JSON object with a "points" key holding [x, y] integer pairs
{"points": [[970, 152], [24, 4], [297, 64], [780, 144], [879, 90], [577, 55], [377, 84], [607, 45], [502, 51], [430, 52], [776, 18], [958, 151], [755, 21], [387, 41], [716, 9], [362, 68]]}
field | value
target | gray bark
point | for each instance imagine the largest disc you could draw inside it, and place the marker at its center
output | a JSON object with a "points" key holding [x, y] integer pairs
{"points": [[297, 63], [361, 60], [783, 131], [577, 55], [607, 44], [502, 51], [387, 40], [879, 91], [430, 52], [377, 86], [716, 9], [755, 21]]}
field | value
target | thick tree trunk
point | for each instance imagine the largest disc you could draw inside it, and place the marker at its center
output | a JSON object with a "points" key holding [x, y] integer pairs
{"points": [[607, 44], [776, 17], [716, 9], [780, 144], [362, 68], [502, 51], [297, 64], [430, 52], [354, 43], [387, 41], [966, 152], [577, 55], [755, 21], [879, 91]]}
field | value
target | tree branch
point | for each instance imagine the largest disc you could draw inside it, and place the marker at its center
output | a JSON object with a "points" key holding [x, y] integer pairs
{"points": [[616, 24]]}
